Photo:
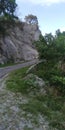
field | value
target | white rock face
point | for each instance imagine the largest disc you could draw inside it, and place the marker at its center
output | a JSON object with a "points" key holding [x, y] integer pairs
{"points": [[29, 53], [18, 45]]}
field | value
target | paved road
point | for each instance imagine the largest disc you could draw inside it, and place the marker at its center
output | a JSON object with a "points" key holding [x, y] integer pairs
{"points": [[6, 70]]}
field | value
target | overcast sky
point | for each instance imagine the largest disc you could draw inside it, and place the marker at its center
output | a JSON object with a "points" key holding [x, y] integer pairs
{"points": [[50, 13]]}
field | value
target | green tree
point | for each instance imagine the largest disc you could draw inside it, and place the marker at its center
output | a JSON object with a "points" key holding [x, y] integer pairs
{"points": [[31, 19], [7, 7], [52, 48], [49, 38], [47, 49], [58, 32], [7, 14], [52, 51]]}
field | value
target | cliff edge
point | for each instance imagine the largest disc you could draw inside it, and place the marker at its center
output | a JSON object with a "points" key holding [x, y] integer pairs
{"points": [[17, 44]]}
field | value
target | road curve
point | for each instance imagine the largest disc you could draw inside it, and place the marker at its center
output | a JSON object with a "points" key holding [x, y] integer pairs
{"points": [[6, 70]]}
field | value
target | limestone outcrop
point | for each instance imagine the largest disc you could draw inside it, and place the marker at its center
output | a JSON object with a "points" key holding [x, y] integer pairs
{"points": [[17, 44]]}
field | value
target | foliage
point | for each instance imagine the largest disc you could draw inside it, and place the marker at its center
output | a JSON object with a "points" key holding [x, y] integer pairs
{"points": [[59, 82], [52, 50], [31, 19], [7, 14], [7, 7], [15, 82], [25, 85]]}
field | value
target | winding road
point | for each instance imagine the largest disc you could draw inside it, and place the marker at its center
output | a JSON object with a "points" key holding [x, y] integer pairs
{"points": [[8, 69]]}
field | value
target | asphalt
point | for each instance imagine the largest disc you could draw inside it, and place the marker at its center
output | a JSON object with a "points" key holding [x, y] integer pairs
{"points": [[6, 70]]}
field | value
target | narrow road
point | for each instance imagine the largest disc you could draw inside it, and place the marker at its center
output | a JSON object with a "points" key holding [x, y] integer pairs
{"points": [[6, 70]]}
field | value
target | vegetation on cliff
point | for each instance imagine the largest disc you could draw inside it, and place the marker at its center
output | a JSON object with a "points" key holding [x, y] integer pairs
{"points": [[7, 14]]}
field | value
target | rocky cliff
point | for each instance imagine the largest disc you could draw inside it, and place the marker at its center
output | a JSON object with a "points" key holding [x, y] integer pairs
{"points": [[17, 44]]}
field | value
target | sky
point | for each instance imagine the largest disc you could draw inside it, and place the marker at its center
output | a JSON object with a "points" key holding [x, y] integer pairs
{"points": [[50, 13]]}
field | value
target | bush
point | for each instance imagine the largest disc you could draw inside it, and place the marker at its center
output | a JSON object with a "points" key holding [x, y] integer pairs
{"points": [[59, 82]]}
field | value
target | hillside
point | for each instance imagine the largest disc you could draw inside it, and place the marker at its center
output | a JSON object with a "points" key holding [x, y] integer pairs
{"points": [[17, 44]]}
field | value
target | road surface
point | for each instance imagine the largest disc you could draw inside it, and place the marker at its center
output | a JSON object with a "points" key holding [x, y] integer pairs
{"points": [[6, 70]]}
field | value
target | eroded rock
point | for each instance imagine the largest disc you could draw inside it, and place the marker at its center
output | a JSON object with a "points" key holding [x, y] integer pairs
{"points": [[17, 45]]}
